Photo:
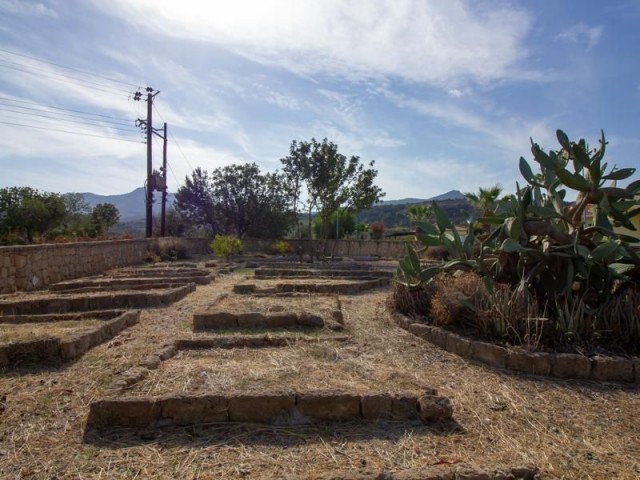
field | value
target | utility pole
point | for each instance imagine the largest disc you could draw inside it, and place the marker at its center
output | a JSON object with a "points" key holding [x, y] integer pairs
{"points": [[164, 190], [150, 184]]}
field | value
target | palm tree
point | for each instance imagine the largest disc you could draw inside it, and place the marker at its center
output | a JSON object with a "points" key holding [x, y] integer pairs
{"points": [[486, 199], [419, 213]]}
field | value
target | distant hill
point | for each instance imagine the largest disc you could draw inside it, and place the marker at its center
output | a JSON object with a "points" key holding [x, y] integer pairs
{"points": [[451, 195], [130, 205]]}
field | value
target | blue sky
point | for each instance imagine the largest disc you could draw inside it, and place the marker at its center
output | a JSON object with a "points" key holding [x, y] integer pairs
{"points": [[442, 94]]}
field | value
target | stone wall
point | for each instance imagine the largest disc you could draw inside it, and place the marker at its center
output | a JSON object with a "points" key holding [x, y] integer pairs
{"points": [[347, 248], [36, 266]]}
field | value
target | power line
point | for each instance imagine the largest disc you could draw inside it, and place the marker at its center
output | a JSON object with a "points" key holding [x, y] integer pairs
{"points": [[71, 132], [175, 140], [75, 122], [84, 72], [56, 115], [78, 82], [60, 108]]}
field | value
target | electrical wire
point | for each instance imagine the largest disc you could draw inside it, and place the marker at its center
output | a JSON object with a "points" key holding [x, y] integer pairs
{"points": [[66, 120], [70, 132], [77, 82], [84, 72], [174, 139], [59, 115], [59, 108]]}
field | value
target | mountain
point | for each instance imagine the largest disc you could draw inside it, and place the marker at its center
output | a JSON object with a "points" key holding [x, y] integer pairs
{"points": [[451, 195], [130, 205]]}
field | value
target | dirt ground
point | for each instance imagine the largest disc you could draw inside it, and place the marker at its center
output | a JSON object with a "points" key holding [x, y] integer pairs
{"points": [[569, 429]]}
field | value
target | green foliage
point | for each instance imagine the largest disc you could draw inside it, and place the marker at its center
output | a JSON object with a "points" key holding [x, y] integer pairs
{"points": [[104, 216], [331, 180], [536, 242], [226, 245], [486, 200], [419, 213], [237, 200], [26, 213], [341, 224], [281, 247]]}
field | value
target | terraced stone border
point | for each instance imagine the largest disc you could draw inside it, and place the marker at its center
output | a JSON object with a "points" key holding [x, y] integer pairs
{"points": [[53, 350], [558, 365], [278, 408], [89, 285], [287, 272], [60, 317], [151, 362], [341, 288], [100, 301], [439, 472], [223, 320]]}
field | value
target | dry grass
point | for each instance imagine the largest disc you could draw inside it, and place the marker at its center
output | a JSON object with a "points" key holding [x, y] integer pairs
{"points": [[31, 331], [570, 429]]}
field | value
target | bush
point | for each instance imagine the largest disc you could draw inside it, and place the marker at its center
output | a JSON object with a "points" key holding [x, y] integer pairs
{"points": [[281, 247], [377, 231], [151, 257], [226, 245]]}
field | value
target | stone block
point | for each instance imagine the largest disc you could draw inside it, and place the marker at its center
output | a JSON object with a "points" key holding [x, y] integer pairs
{"points": [[187, 410], [459, 345], [438, 337], [281, 319], [214, 320], [636, 368], [251, 320], [536, 363], [612, 369], [260, 408], [404, 405], [329, 406], [243, 289], [432, 408], [307, 319], [126, 412], [420, 330], [376, 405], [569, 365], [489, 354], [4, 356]]}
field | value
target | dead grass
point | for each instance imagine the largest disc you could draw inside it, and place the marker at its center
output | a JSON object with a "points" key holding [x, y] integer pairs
{"points": [[31, 331], [570, 429]]}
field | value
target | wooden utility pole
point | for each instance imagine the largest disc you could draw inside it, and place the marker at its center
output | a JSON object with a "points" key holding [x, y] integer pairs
{"points": [[164, 190], [149, 187], [150, 183]]}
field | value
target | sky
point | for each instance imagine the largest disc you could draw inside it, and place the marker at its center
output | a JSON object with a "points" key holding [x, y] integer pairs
{"points": [[442, 94]]}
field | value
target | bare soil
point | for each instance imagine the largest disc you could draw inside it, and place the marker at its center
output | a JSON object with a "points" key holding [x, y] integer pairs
{"points": [[569, 429]]}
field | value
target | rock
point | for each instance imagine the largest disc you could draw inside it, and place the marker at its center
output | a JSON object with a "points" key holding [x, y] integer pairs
{"points": [[433, 408], [377, 405], [214, 320], [260, 408], [251, 320], [307, 319], [612, 369], [569, 365], [490, 354], [329, 406], [193, 410], [404, 405]]}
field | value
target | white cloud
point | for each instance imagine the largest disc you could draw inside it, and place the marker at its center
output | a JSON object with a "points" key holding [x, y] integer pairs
{"points": [[23, 7], [581, 33], [437, 42]]}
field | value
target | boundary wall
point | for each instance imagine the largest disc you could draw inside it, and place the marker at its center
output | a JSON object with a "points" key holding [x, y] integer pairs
{"points": [[29, 267], [392, 249]]}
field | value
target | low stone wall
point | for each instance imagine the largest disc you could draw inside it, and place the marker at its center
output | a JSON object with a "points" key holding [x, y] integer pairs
{"points": [[345, 248], [35, 266], [558, 365]]}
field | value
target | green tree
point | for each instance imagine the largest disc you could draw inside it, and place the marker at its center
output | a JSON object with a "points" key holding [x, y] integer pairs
{"points": [[237, 200], [419, 213], [25, 212], [486, 200], [342, 221], [331, 180], [104, 216], [77, 212]]}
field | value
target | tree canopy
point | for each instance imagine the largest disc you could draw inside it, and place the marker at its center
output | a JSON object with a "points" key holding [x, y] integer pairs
{"points": [[237, 200], [330, 180], [25, 212]]}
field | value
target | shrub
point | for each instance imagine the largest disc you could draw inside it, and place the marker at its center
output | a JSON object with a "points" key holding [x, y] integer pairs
{"points": [[151, 257], [377, 230], [281, 247], [226, 245]]}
